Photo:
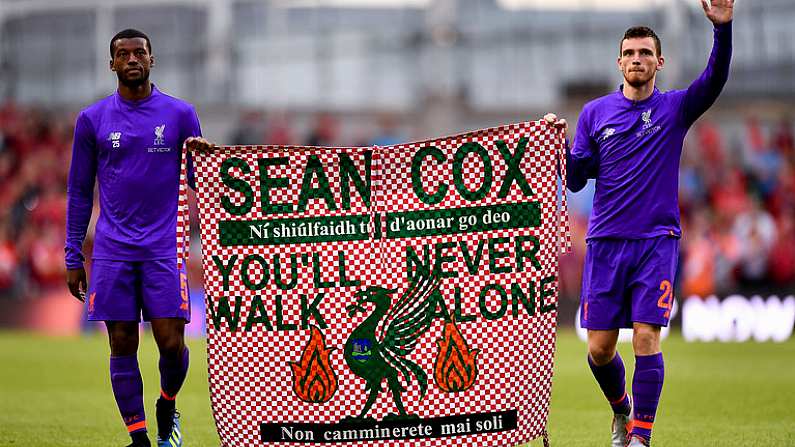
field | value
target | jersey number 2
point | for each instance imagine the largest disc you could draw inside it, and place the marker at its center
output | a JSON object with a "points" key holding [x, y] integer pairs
{"points": [[666, 300]]}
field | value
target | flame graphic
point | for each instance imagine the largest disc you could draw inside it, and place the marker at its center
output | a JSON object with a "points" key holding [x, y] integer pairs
{"points": [[455, 369], [313, 379]]}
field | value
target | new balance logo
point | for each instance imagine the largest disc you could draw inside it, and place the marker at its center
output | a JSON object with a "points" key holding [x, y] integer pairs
{"points": [[115, 139], [607, 133]]}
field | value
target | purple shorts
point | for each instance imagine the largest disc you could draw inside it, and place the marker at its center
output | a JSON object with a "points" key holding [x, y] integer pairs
{"points": [[628, 280], [123, 290]]}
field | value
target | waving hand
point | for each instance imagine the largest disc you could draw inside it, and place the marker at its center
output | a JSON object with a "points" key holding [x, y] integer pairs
{"points": [[718, 11]]}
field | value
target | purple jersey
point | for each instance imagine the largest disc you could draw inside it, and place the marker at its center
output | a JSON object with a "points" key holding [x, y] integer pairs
{"points": [[632, 149], [133, 149]]}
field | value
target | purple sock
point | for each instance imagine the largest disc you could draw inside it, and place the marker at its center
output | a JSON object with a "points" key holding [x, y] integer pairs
{"points": [[646, 388], [128, 389], [172, 374], [613, 383]]}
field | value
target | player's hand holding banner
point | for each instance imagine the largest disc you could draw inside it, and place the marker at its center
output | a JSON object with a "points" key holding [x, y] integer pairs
{"points": [[398, 295]]}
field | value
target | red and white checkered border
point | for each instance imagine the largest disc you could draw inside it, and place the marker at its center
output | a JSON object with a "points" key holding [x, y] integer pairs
{"points": [[250, 380]]}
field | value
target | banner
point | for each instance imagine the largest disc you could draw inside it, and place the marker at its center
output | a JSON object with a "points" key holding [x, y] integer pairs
{"points": [[400, 295]]}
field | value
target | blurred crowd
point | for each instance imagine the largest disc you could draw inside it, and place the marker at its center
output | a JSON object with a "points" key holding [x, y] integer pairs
{"points": [[737, 195], [35, 151]]}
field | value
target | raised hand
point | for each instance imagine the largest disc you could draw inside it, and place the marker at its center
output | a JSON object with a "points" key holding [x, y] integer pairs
{"points": [[718, 11]]}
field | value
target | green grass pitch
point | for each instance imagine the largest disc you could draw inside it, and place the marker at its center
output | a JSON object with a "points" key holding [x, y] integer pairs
{"points": [[56, 392]]}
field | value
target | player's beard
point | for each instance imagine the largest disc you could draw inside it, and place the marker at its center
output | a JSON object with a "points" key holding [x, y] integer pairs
{"points": [[638, 81], [134, 82]]}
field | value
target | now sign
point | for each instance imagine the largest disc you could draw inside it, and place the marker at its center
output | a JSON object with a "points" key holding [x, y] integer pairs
{"points": [[738, 319]]}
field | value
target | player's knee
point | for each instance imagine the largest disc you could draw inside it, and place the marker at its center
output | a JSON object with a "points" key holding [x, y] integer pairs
{"points": [[601, 355], [171, 346], [646, 342], [123, 344]]}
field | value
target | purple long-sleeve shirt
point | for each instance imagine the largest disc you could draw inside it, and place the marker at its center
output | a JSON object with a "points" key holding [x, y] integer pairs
{"points": [[632, 149], [132, 149]]}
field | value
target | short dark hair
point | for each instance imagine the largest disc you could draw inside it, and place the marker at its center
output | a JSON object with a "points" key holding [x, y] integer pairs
{"points": [[639, 32], [130, 33]]}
